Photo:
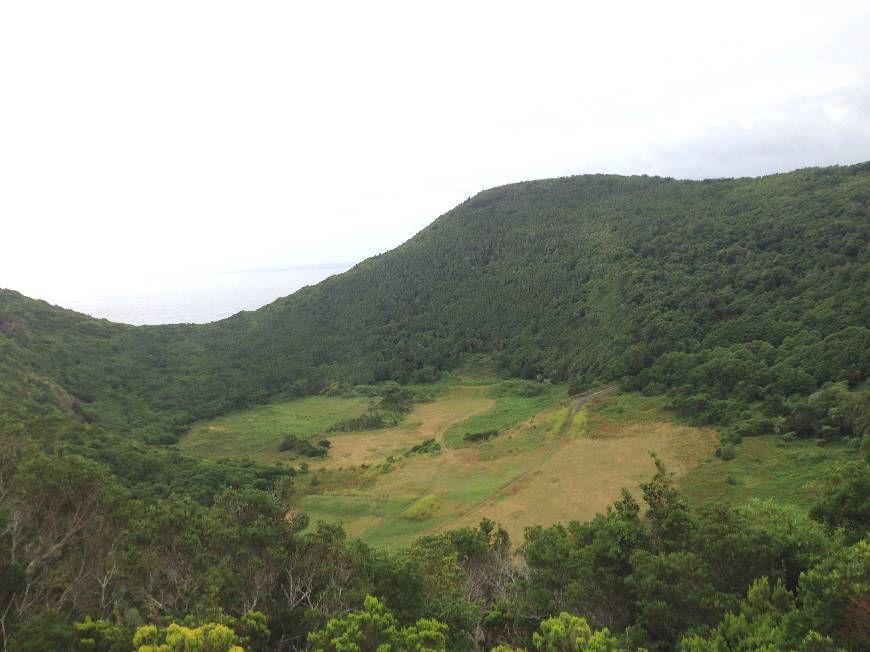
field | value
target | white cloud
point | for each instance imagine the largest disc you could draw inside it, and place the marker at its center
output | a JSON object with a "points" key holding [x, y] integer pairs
{"points": [[164, 137]]}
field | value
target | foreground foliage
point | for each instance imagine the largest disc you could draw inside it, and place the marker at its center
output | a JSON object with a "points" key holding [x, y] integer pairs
{"points": [[86, 565]]}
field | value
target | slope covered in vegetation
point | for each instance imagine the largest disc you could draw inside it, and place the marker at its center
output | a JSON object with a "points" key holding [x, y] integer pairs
{"points": [[737, 296]]}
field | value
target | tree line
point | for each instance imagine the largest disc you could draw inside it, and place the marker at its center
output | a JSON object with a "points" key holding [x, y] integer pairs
{"points": [[87, 565]]}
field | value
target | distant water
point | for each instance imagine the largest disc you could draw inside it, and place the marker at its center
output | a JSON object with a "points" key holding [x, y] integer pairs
{"points": [[197, 298]]}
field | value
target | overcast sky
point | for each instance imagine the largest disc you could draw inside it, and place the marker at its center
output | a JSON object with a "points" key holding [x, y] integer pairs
{"points": [[139, 138]]}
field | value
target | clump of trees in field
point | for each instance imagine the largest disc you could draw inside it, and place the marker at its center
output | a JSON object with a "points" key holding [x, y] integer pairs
{"points": [[394, 402], [299, 446], [425, 447]]}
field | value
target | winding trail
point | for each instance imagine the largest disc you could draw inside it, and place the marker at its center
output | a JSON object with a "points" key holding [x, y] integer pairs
{"points": [[560, 441]]}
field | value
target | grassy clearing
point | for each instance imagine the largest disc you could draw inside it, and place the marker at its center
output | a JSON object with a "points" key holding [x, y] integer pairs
{"points": [[766, 468], [602, 454], [527, 474], [256, 432], [631, 407], [528, 436], [507, 412], [425, 421], [385, 497], [356, 512]]}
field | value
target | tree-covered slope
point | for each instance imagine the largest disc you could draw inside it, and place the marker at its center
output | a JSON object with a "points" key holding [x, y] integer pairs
{"points": [[593, 277], [731, 294]]}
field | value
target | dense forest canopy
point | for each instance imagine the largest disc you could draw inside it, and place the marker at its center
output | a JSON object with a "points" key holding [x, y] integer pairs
{"points": [[742, 300]]}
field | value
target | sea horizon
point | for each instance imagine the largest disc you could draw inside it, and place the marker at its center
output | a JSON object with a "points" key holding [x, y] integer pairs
{"points": [[192, 298]]}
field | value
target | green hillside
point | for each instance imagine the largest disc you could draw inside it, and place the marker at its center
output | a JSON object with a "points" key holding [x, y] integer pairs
{"points": [[310, 475], [759, 283]]}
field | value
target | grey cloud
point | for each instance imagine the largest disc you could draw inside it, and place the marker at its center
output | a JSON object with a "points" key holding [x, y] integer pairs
{"points": [[824, 130]]}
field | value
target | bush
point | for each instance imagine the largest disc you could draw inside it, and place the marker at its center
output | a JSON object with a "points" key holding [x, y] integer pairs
{"points": [[368, 421], [428, 446], [755, 425], [483, 435], [293, 444], [522, 388]]}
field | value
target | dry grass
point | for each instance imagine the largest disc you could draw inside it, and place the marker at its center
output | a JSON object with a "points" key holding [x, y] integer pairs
{"points": [[588, 472], [527, 476], [426, 421], [535, 472]]}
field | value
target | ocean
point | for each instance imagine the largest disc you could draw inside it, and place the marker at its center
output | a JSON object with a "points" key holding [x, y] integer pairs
{"points": [[196, 299]]}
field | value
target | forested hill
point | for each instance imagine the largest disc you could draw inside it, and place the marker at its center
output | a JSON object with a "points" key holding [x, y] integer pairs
{"points": [[740, 297]]}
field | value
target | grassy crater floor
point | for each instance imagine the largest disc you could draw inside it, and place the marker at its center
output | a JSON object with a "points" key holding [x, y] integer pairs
{"points": [[766, 467], [553, 459]]}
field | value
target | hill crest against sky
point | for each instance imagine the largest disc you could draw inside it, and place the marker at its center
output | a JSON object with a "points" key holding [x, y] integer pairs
{"points": [[583, 279]]}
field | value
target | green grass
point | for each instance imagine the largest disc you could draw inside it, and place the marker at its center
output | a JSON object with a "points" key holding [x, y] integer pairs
{"points": [[350, 508], [377, 520], [391, 504], [580, 422], [256, 432], [423, 509], [382, 519], [765, 467], [508, 411], [631, 407], [542, 428]]}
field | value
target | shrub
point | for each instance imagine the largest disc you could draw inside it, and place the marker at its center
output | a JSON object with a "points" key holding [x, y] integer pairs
{"points": [[482, 435], [293, 444], [368, 421], [427, 446]]}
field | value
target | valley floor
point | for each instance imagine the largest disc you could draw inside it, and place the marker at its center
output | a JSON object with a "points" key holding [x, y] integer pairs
{"points": [[555, 458]]}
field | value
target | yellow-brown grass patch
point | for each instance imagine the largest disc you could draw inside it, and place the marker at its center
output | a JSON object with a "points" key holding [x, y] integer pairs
{"points": [[426, 421], [587, 473]]}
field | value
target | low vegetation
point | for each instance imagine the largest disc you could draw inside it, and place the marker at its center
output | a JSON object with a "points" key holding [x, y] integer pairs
{"points": [[424, 448], [514, 403], [258, 432], [368, 421], [292, 444], [529, 472], [481, 435], [648, 572]]}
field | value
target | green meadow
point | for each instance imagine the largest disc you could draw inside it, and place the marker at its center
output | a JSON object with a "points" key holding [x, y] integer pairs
{"points": [[766, 467], [508, 411], [255, 433], [546, 462]]}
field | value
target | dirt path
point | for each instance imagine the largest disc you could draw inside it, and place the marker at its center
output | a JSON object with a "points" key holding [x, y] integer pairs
{"points": [[561, 440]]}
